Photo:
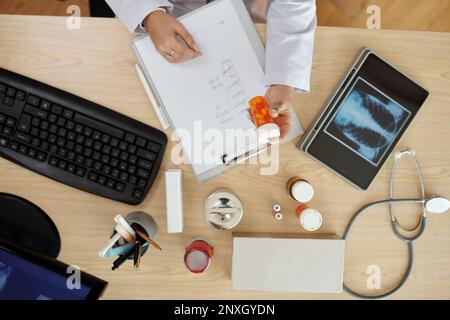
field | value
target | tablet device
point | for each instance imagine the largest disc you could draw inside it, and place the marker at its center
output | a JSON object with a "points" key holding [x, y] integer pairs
{"points": [[28, 275], [364, 119]]}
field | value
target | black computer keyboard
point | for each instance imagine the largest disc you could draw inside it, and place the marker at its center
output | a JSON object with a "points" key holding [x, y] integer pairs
{"points": [[77, 142]]}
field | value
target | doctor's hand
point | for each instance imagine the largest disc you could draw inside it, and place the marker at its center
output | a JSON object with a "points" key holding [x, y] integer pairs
{"points": [[280, 99], [170, 37]]}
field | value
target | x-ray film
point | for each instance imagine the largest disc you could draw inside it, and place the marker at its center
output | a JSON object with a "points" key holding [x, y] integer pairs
{"points": [[367, 121]]}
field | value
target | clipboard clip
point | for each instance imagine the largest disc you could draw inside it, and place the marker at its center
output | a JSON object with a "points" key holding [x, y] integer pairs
{"points": [[230, 160]]}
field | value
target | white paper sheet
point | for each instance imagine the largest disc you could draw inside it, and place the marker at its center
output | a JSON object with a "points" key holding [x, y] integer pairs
{"points": [[214, 88]]}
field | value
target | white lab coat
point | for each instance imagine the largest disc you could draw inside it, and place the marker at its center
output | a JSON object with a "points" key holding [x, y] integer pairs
{"points": [[290, 32]]}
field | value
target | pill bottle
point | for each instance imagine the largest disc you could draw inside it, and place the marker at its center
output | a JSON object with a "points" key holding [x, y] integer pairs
{"points": [[300, 190], [266, 128], [198, 255], [310, 219]]}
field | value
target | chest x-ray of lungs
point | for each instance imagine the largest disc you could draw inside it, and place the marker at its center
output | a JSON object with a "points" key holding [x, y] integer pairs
{"points": [[5, 272], [367, 121]]}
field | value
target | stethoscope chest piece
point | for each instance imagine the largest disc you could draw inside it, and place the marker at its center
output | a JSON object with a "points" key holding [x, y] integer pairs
{"points": [[437, 205]]}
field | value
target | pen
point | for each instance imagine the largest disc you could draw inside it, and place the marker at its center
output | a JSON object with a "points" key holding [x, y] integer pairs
{"points": [[137, 254], [145, 237], [119, 261]]}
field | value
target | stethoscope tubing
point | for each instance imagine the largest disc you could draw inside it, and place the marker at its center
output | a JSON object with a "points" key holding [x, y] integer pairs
{"points": [[409, 242]]}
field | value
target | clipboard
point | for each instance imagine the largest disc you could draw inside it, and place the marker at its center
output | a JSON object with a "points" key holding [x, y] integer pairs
{"points": [[148, 77]]}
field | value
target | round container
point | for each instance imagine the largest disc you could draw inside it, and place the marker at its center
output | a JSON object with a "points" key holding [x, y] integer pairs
{"points": [[198, 255], [300, 190], [310, 219], [146, 224], [223, 210], [266, 128]]}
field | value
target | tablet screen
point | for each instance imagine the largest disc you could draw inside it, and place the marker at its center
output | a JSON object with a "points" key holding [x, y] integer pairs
{"points": [[367, 121]]}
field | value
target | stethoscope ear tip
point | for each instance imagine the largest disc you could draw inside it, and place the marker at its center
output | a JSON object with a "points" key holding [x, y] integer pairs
{"points": [[437, 205]]}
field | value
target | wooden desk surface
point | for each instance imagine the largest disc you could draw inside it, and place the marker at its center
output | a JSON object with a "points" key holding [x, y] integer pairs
{"points": [[97, 63]]}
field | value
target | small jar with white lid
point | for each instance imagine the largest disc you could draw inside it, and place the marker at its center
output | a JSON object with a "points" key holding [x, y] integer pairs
{"points": [[310, 219], [300, 190]]}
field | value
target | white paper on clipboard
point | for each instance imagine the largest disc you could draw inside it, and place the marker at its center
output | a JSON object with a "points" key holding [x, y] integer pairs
{"points": [[215, 88]]}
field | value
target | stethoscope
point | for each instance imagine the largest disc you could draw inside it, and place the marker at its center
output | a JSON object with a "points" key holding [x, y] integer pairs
{"points": [[434, 205]]}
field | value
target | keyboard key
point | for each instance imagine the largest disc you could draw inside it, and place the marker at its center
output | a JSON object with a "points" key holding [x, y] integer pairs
{"points": [[52, 118], [14, 146], [2, 88], [7, 131], [20, 95], [119, 187], [44, 125], [80, 172], [53, 161], [132, 169], [34, 132], [154, 147], [10, 122], [2, 118], [22, 137], [132, 180], [98, 166], [71, 168], [8, 101], [61, 122], [70, 125], [142, 183], [33, 100], [132, 149], [101, 180], [68, 114], [99, 126], [130, 138], [107, 170], [124, 156], [115, 173], [123, 146], [138, 194], [41, 156], [35, 112], [111, 183], [89, 163], [141, 142], [11, 92], [24, 123], [105, 138], [62, 165], [114, 142], [133, 159], [87, 132], [45, 105], [92, 176], [78, 128], [146, 155], [56, 109], [31, 153], [124, 176], [35, 142], [144, 174], [35, 122], [23, 149], [145, 164], [4, 142]]}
